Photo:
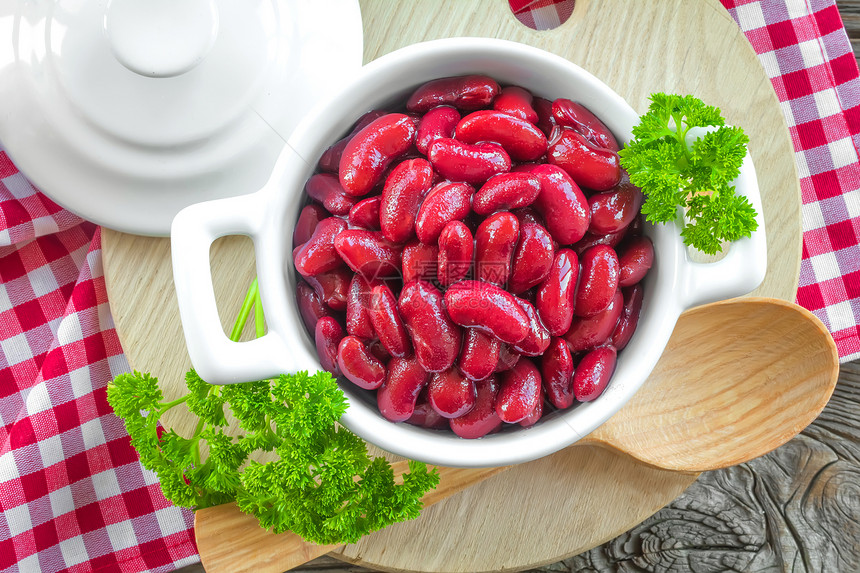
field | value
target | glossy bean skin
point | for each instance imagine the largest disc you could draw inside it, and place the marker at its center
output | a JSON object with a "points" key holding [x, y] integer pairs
{"points": [[451, 394], [404, 190], [332, 287], [468, 163], [591, 239], [532, 258], [537, 413], [508, 358], [371, 150], [612, 211], [455, 253], [495, 241], [575, 115], [404, 380], [557, 373], [555, 295], [444, 203], [387, 323], [488, 308], [309, 218], [635, 259], [629, 317], [520, 138], [593, 331], [424, 415], [538, 338], [463, 92], [358, 301], [516, 101], [420, 261], [595, 168], [327, 336], [593, 373], [506, 191], [598, 280], [519, 392], [561, 204], [330, 159], [325, 188], [311, 306], [435, 337], [437, 123], [359, 365], [318, 254], [545, 121], [368, 254], [482, 419], [479, 355], [365, 214], [377, 349]]}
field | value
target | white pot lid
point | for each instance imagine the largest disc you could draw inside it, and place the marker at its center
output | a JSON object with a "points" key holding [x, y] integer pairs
{"points": [[126, 111]]}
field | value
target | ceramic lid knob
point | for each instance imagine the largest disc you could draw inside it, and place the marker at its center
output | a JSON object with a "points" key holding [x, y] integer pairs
{"points": [[161, 38]]}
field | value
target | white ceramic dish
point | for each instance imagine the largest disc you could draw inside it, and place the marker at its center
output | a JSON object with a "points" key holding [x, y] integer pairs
{"points": [[126, 111], [674, 284]]}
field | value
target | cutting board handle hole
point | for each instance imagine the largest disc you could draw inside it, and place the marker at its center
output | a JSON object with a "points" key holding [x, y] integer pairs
{"points": [[542, 14]]}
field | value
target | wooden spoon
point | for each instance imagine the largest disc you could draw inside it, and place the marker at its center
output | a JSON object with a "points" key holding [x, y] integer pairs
{"points": [[738, 379]]}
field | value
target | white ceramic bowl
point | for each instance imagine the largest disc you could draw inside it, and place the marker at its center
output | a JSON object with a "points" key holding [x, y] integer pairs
{"points": [[674, 284]]}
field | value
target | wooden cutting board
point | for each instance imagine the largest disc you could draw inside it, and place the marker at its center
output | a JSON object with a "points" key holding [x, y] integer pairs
{"points": [[558, 506]]}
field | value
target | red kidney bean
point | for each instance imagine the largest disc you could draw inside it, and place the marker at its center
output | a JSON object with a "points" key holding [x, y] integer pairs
{"points": [[309, 218], [488, 308], [495, 241], [637, 227], [375, 347], [387, 322], [592, 167], [598, 280], [435, 336], [325, 188], [519, 392], [629, 317], [561, 204], [455, 253], [593, 331], [557, 372], [332, 287], [437, 123], [327, 336], [555, 295], [546, 121], [508, 358], [425, 416], [516, 101], [537, 413], [635, 259], [479, 355], [365, 214], [451, 394], [405, 378], [536, 341], [593, 373], [319, 254], [532, 258], [404, 189], [420, 262], [368, 154], [482, 418], [572, 114], [330, 159], [590, 240], [462, 92], [612, 211], [359, 365], [368, 254], [358, 308], [444, 203], [467, 163], [311, 306], [506, 191], [521, 139], [529, 216]]}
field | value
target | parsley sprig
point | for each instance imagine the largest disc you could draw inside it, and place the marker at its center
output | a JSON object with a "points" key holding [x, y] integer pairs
{"points": [[694, 178], [324, 486]]}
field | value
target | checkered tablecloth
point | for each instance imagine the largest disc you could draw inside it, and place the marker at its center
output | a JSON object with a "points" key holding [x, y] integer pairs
{"points": [[73, 496]]}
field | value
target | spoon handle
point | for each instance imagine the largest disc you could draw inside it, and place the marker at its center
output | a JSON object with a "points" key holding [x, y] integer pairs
{"points": [[253, 549]]}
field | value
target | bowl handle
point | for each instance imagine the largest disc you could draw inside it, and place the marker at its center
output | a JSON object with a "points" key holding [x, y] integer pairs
{"points": [[744, 266]]}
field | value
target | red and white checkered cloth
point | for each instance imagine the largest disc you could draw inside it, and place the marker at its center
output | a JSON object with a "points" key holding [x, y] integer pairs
{"points": [[73, 496]]}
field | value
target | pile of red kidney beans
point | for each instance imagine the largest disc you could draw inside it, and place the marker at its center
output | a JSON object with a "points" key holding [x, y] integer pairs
{"points": [[476, 259]]}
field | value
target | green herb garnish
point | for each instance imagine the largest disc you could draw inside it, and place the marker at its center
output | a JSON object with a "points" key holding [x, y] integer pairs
{"points": [[695, 178], [324, 487]]}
